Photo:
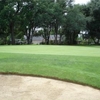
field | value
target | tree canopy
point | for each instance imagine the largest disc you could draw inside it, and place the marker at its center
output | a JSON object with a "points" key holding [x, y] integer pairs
{"points": [[21, 17]]}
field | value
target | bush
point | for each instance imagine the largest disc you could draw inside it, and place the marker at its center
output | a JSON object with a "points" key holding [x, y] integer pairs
{"points": [[2, 41]]}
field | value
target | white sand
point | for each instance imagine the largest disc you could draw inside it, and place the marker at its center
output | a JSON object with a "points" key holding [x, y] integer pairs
{"points": [[14, 87]]}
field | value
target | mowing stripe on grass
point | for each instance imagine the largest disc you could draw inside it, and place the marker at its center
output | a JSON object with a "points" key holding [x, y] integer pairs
{"points": [[78, 67]]}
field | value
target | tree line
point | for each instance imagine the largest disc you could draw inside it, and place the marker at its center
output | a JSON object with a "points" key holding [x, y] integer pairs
{"points": [[57, 17]]}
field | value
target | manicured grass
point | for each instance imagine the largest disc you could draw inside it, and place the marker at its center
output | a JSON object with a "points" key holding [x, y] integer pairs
{"points": [[79, 64]]}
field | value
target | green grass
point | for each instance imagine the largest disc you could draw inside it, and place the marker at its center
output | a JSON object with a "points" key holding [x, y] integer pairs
{"points": [[80, 64]]}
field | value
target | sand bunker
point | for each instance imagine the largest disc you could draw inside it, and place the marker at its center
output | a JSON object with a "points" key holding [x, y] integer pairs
{"points": [[13, 87]]}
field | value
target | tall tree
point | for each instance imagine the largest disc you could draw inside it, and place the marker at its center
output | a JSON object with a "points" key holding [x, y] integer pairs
{"points": [[10, 13], [75, 22], [59, 9], [92, 10]]}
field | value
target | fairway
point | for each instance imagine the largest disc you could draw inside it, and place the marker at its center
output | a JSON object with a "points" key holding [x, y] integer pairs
{"points": [[53, 50], [79, 64]]}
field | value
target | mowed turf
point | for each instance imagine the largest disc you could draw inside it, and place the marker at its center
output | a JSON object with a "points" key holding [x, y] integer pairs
{"points": [[80, 64]]}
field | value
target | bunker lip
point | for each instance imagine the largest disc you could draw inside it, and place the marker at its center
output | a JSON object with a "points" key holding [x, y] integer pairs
{"points": [[48, 77], [36, 88]]}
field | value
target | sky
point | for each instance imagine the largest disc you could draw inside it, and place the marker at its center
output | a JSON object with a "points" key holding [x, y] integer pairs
{"points": [[81, 1]]}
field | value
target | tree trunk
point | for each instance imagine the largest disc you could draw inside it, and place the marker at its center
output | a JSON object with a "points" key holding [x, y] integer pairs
{"points": [[56, 33], [28, 36], [46, 36], [74, 38], [60, 39], [12, 33]]}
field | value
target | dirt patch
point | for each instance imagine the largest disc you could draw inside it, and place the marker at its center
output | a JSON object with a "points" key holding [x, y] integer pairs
{"points": [[13, 87]]}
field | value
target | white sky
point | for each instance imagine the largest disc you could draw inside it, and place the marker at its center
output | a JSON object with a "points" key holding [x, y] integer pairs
{"points": [[81, 1]]}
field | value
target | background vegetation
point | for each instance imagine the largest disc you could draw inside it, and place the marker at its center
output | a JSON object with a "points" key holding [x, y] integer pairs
{"points": [[21, 17]]}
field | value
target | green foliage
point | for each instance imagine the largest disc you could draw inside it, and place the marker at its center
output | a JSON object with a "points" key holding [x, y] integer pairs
{"points": [[75, 22], [52, 16], [15, 15], [92, 11], [75, 19]]}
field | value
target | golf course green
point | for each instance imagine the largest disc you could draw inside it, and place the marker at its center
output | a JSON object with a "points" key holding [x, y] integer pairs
{"points": [[79, 64]]}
